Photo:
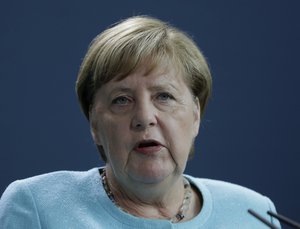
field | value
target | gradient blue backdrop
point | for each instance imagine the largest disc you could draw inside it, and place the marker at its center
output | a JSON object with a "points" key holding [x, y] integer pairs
{"points": [[249, 134]]}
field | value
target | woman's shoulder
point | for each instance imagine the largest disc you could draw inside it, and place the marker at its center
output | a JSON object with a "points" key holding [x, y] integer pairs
{"points": [[225, 203], [218, 186], [227, 186], [57, 177], [49, 183], [33, 200], [236, 195]]}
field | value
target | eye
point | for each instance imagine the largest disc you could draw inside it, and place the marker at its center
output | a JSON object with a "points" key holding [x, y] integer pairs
{"points": [[121, 100], [164, 96]]}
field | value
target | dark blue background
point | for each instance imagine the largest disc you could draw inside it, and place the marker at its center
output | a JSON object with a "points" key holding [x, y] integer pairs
{"points": [[249, 134]]}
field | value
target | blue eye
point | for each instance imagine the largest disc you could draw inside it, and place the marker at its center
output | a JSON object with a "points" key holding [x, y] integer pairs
{"points": [[121, 100], [165, 96]]}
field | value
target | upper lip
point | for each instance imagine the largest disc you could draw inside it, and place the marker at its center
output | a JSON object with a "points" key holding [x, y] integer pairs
{"points": [[146, 142]]}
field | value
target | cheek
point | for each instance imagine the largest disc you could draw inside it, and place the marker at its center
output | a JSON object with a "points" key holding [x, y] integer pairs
{"points": [[186, 122], [107, 131], [113, 134], [180, 133]]}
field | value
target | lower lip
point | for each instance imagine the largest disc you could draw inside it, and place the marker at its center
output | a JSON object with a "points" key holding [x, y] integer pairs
{"points": [[148, 150]]}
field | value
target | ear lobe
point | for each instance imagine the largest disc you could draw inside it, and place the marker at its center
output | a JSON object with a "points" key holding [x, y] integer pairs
{"points": [[93, 128], [197, 116], [94, 135]]}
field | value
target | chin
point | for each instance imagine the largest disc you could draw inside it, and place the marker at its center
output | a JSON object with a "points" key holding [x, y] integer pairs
{"points": [[151, 176]]}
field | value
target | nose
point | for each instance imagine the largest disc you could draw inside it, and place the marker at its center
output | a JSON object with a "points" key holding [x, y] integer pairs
{"points": [[144, 116]]}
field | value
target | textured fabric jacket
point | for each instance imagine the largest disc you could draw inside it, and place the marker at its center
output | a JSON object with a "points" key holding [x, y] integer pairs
{"points": [[68, 199]]}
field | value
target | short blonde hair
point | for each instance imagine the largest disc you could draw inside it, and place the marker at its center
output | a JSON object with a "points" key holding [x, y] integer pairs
{"points": [[122, 48]]}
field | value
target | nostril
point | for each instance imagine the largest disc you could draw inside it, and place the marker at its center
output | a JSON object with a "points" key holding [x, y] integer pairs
{"points": [[141, 125], [152, 124], [143, 121]]}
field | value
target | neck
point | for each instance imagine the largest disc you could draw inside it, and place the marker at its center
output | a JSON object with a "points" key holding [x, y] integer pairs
{"points": [[163, 200]]}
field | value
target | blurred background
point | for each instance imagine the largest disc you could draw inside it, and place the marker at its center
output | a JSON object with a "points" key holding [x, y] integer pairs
{"points": [[249, 133]]}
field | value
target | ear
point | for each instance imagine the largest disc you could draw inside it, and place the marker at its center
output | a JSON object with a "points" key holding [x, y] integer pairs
{"points": [[197, 116], [95, 137], [93, 129]]}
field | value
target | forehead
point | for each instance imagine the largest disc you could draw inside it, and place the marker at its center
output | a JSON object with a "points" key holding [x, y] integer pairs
{"points": [[158, 77], [146, 66]]}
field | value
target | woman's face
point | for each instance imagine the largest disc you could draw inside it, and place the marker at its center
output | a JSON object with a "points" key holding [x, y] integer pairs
{"points": [[146, 125]]}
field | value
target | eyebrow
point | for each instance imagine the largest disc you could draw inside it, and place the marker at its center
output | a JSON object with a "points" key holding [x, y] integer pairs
{"points": [[163, 87], [120, 89], [155, 87]]}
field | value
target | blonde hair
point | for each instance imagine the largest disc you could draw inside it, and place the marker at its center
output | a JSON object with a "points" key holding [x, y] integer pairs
{"points": [[122, 48]]}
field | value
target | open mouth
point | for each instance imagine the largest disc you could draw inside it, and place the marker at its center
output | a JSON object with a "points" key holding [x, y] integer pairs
{"points": [[144, 144], [148, 147]]}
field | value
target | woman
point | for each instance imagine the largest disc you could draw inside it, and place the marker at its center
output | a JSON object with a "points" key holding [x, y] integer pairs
{"points": [[143, 85]]}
